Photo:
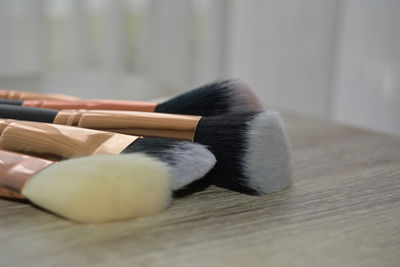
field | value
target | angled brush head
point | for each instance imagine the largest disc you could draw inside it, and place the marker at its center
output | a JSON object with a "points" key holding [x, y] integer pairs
{"points": [[252, 151], [213, 99], [104, 188], [188, 161]]}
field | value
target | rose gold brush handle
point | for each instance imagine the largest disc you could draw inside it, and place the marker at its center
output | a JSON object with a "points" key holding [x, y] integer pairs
{"points": [[181, 127], [59, 140], [25, 95], [93, 104], [15, 170]]}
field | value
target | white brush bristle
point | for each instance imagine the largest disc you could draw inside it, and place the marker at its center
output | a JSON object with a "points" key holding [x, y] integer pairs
{"points": [[267, 161], [100, 189]]}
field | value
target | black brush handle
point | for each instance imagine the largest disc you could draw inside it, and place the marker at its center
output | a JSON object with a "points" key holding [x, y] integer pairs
{"points": [[27, 113], [12, 102]]}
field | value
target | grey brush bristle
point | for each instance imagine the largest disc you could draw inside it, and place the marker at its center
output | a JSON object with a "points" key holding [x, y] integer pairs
{"points": [[188, 161], [251, 148], [267, 161], [193, 159]]}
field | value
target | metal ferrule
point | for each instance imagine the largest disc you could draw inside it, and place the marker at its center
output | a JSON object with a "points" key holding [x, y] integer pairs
{"points": [[93, 104], [59, 141], [25, 95], [16, 169], [150, 124]]}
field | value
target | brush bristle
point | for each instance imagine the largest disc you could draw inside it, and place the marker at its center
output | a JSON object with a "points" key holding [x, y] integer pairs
{"points": [[100, 189], [188, 161], [213, 99], [267, 161], [252, 151]]}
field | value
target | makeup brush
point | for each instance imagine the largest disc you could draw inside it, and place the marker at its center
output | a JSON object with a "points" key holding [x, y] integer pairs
{"points": [[212, 99], [188, 161], [15, 95], [251, 148], [93, 189]]}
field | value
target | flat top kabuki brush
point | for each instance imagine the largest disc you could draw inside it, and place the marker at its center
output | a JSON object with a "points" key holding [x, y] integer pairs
{"points": [[251, 148], [93, 189], [209, 100], [187, 161]]}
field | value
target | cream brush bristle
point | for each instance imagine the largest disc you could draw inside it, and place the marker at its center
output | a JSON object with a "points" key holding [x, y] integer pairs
{"points": [[99, 189], [95, 189]]}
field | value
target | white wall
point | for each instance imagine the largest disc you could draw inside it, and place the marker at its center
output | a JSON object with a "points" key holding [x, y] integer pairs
{"points": [[285, 50], [367, 77], [21, 50], [331, 59]]}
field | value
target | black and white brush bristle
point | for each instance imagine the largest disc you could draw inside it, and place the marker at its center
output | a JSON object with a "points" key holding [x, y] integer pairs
{"points": [[213, 99], [188, 161], [252, 151]]}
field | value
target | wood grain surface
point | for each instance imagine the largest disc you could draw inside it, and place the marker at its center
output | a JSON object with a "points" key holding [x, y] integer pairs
{"points": [[343, 209]]}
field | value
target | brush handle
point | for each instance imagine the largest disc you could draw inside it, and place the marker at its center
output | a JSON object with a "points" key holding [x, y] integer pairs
{"points": [[25, 95], [16, 169], [93, 104], [27, 114], [182, 127], [11, 102], [59, 140]]}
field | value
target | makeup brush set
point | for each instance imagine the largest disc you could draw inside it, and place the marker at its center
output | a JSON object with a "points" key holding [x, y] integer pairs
{"points": [[96, 161]]}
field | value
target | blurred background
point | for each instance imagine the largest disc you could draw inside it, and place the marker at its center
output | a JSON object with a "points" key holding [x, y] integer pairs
{"points": [[338, 60]]}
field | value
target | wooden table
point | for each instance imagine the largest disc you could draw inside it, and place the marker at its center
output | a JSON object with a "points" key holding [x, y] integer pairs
{"points": [[343, 209]]}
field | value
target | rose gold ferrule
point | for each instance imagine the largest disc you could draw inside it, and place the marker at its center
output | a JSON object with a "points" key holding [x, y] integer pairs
{"points": [[8, 193], [25, 95], [59, 141], [152, 124], [4, 123], [93, 104], [15, 170]]}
